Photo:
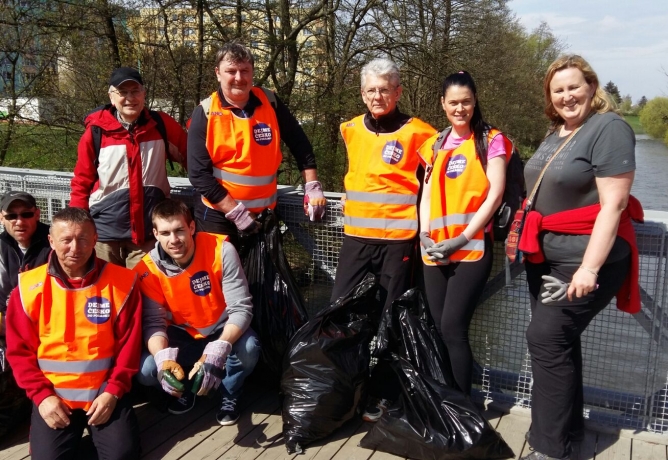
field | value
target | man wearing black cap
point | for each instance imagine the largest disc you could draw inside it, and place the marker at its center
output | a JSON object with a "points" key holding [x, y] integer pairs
{"points": [[120, 173], [23, 245]]}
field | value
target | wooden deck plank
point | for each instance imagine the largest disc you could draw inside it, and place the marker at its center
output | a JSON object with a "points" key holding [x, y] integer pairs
{"points": [[255, 442], [493, 417], [378, 455], [195, 433], [586, 449], [351, 450], [610, 447], [326, 448], [513, 428], [17, 444], [217, 439], [643, 450]]}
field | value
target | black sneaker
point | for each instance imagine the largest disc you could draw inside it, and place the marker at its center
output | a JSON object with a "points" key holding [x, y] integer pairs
{"points": [[375, 410], [228, 414], [182, 405]]}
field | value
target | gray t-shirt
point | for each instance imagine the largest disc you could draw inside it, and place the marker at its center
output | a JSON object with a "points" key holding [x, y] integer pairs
{"points": [[604, 147]]}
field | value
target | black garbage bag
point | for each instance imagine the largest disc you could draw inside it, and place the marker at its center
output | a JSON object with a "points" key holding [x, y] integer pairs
{"points": [[406, 328], [278, 305], [432, 419], [15, 407], [327, 368]]}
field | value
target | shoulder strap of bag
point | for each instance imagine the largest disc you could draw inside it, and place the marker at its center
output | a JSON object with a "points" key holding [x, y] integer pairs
{"points": [[542, 173], [435, 148]]}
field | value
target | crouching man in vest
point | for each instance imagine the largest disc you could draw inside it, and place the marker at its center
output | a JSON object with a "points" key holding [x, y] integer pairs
{"points": [[197, 314], [74, 341]]}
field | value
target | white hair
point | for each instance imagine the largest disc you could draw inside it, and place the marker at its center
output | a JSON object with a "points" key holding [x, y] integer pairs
{"points": [[381, 67]]}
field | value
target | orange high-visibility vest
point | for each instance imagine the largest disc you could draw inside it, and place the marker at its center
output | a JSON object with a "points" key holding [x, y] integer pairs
{"points": [[194, 298], [381, 186], [76, 329], [246, 152], [459, 188]]}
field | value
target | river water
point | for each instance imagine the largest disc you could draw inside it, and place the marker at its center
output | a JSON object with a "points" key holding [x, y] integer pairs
{"points": [[651, 176]]}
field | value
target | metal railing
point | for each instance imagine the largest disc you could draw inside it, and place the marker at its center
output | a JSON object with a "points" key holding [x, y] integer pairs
{"points": [[625, 356]]}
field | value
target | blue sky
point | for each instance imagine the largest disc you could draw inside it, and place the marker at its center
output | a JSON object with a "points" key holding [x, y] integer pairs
{"points": [[624, 41]]}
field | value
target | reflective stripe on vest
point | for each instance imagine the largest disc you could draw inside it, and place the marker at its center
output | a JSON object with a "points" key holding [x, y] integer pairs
{"points": [[459, 188], [76, 352], [381, 183], [245, 152], [194, 298]]}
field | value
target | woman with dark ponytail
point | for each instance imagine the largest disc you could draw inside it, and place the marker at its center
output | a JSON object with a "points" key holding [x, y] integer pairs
{"points": [[463, 187]]}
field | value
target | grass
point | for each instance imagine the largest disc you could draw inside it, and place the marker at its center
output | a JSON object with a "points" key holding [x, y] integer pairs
{"points": [[634, 121], [41, 147]]}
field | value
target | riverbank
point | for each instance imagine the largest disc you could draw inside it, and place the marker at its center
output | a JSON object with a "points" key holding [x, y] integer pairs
{"points": [[634, 121]]}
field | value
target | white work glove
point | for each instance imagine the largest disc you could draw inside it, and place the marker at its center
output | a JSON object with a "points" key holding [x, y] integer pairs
{"points": [[315, 202], [212, 366], [243, 219], [165, 360]]}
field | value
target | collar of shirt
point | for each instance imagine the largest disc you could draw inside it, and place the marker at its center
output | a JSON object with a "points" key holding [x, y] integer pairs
{"points": [[389, 123], [248, 110]]}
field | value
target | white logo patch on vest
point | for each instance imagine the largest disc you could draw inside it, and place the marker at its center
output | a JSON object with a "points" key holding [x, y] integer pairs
{"points": [[393, 152], [456, 166], [200, 283], [262, 134], [98, 310]]}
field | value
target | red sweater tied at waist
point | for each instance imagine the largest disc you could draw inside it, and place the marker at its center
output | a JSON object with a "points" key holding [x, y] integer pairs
{"points": [[580, 221]]}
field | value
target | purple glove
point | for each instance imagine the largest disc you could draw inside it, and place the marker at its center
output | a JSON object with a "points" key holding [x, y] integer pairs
{"points": [[315, 202], [214, 357], [242, 219], [165, 360]]}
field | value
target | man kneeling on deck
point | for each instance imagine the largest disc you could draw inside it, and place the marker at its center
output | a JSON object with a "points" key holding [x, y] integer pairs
{"points": [[74, 340], [197, 314]]}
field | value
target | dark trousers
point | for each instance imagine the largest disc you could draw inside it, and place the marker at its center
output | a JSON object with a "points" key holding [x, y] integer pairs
{"points": [[392, 265], [118, 439], [453, 292], [213, 221], [553, 337]]}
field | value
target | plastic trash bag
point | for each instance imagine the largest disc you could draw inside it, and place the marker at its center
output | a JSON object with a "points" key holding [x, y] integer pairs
{"points": [[278, 305], [15, 407], [406, 328], [432, 419], [327, 368]]}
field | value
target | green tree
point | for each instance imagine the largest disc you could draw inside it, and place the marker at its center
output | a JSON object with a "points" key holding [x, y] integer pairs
{"points": [[613, 91], [654, 117], [626, 105], [642, 102]]}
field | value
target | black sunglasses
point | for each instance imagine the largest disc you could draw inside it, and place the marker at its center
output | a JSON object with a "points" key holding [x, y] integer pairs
{"points": [[24, 215]]}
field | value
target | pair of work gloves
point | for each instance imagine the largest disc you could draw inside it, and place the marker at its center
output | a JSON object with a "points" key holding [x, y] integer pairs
{"points": [[315, 204], [443, 249], [206, 375]]}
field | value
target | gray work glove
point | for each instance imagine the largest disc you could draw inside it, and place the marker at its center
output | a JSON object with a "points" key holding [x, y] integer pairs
{"points": [[555, 290], [445, 248], [426, 241], [214, 359], [242, 218]]}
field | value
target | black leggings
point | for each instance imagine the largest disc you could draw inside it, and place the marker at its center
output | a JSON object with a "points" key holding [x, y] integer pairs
{"points": [[453, 292]]}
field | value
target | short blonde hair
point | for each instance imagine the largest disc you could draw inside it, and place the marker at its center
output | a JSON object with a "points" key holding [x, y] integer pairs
{"points": [[601, 102]]}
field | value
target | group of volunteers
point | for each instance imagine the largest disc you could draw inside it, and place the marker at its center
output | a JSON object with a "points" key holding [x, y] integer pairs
{"points": [[126, 281]]}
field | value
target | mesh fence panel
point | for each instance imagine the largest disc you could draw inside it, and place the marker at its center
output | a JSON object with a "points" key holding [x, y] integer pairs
{"points": [[625, 358]]}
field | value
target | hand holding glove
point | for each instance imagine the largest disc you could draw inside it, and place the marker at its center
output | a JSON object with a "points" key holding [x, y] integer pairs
{"points": [[555, 290], [170, 373], [243, 219], [446, 248], [315, 202], [213, 366]]}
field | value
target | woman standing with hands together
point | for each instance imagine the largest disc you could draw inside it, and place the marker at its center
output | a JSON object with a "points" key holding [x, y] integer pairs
{"points": [[462, 189]]}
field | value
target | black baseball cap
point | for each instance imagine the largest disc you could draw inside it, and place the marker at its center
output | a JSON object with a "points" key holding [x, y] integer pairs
{"points": [[123, 74], [14, 195]]}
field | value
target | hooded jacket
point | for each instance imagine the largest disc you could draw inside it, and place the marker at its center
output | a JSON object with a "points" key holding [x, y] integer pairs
{"points": [[130, 179]]}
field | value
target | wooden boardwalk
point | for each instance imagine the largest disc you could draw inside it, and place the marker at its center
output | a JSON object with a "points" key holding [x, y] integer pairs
{"points": [[258, 436]]}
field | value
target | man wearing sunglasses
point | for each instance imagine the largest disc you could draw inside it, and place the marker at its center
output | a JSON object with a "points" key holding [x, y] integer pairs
{"points": [[23, 245], [120, 173]]}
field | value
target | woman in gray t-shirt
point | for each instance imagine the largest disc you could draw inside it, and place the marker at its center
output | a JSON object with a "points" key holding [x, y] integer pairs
{"points": [[581, 273]]}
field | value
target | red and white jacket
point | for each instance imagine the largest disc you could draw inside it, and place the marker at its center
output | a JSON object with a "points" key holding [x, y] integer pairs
{"points": [[131, 177]]}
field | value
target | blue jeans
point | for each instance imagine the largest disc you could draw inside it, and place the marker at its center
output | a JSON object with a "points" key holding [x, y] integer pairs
{"points": [[240, 363]]}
